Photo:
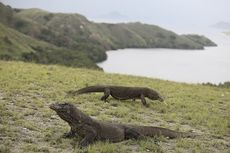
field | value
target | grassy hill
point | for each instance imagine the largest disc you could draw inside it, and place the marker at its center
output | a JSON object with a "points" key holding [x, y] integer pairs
{"points": [[158, 37], [17, 46], [200, 40], [28, 125], [110, 36], [10, 17]]}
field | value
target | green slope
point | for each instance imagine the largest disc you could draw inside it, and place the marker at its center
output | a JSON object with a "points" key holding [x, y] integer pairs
{"points": [[37, 29], [17, 46], [200, 40], [28, 125], [110, 36], [155, 36], [13, 44]]}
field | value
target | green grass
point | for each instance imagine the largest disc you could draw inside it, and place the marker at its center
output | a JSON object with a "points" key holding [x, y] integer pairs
{"points": [[28, 125]]}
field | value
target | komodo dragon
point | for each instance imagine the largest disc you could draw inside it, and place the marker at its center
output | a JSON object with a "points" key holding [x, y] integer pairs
{"points": [[92, 130], [122, 93]]}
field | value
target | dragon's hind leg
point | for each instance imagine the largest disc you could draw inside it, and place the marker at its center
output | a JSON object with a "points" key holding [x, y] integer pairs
{"points": [[106, 94]]}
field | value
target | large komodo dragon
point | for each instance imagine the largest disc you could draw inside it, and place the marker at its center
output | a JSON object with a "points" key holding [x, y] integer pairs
{"points": [[122, 93], [91, 130]]}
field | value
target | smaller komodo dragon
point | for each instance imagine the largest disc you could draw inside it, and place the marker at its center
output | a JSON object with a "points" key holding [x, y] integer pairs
{"points": [[92, 130], [122, 93]]}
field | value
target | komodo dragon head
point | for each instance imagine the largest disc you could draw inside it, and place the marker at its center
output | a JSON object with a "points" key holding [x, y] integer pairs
{"points": [[69, 113], [153, 95]]}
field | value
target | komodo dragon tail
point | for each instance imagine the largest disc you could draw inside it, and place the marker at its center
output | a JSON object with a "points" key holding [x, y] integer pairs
{"points": [[87, 90], [158, 131]]}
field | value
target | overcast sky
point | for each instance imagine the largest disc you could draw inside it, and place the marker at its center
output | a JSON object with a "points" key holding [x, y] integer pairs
{"points": [[161, 12]]}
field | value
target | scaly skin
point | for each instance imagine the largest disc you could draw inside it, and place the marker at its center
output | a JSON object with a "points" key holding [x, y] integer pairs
{"points": [[122, 93], [92, 130]]}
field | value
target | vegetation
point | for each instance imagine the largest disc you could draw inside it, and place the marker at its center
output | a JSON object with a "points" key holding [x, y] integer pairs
{"points": [[28, 125], [222, 85], [110, 36], [17, 46], [86, 54], [200, 40]]}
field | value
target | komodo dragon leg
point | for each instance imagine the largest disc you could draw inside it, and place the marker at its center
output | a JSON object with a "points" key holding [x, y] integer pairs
{"points": [[70, 134], [106, 94], [88, 139], [143, 100]]}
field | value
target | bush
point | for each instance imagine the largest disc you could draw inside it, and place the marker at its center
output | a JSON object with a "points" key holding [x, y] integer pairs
{"points": [[6, 57], [222, 85], [58, 56]]}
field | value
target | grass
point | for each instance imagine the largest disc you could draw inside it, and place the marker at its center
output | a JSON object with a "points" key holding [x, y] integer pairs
{"points": [[28, 125]]}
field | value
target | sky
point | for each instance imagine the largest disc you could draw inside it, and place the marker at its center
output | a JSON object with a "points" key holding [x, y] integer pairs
{"points": [[160, 12]]}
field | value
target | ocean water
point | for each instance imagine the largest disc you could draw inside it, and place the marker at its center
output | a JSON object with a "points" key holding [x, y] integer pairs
{"points": [[191, 66]]}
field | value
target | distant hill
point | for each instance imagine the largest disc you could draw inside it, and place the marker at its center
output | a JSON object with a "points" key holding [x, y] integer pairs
{"points": [[110, 36], [200, 40], [227, 33], [73, 32], [222, 25]]}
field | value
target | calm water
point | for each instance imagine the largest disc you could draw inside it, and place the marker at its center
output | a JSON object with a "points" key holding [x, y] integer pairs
{"points": [[192, 66]]}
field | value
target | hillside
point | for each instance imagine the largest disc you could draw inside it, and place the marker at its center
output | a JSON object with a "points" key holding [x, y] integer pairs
{"points": [[159, 37], [17, 46], [110, 36], [200, 40], [38, 30], [28, 125]]}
